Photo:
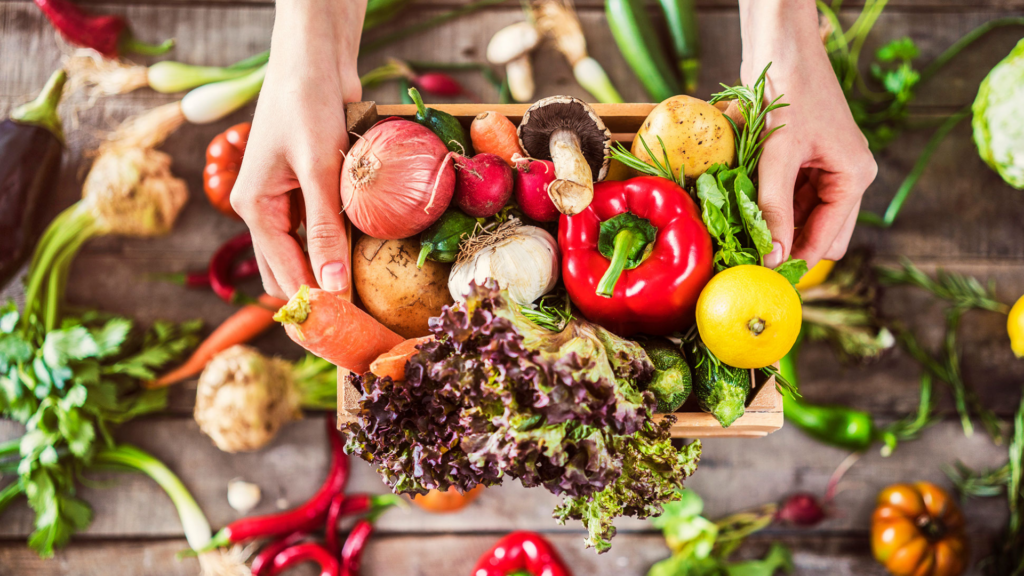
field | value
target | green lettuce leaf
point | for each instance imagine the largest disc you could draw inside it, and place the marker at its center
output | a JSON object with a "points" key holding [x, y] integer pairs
{"points": [[998, 109]]}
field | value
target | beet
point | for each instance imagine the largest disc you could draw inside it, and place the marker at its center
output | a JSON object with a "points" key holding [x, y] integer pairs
{"points": [[531, 188], [483, 184], [801, 509]]}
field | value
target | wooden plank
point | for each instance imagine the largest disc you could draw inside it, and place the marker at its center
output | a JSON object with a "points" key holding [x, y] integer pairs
{"points": [[447, 555], [734, 474]]}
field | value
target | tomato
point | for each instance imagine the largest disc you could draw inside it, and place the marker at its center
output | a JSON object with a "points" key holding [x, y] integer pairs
{"points": [[223, 160], [443, 502], [917, 530]]}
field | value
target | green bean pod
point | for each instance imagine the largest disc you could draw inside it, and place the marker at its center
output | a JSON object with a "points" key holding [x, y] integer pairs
{"points": [[638, 41]]}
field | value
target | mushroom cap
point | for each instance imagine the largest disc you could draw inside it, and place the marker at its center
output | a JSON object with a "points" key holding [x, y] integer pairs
{"points": [[558, 112], [511, 42]]}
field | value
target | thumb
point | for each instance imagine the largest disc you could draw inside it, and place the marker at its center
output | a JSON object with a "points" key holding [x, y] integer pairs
{"points": [[777, 172], [326, 235]]}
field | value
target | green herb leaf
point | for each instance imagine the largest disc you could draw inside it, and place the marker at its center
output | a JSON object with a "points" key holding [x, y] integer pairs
{"points": [[755, 225], [792, 269], [68, 344], [899, 49]]}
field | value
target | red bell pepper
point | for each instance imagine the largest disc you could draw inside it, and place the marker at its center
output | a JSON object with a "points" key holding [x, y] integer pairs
{"points": [[519, 552], [638, 257]]}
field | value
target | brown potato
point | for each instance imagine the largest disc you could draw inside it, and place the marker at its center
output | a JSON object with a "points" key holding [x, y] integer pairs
{"points": [[393, 290], [696, 134]]}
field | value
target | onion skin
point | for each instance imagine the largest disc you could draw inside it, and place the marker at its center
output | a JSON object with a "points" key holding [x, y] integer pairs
{"points": [[397, 180]]}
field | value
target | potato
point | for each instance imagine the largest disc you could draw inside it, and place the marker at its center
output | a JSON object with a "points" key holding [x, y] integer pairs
{"points": [[393, 290], [696, 134]]}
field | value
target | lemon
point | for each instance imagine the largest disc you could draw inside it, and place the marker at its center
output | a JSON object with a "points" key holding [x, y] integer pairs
{"points": [[749, 316], [816, 275], [1015, 328]]}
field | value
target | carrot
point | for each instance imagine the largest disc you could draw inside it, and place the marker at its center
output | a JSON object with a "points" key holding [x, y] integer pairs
{"points": [[244, 325], [392, 363], [330, 326], [493, 133]]}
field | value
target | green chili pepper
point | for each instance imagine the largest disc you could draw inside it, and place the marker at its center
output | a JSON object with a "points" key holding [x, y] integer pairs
{"points": [[441, 241], [443, 124], [845, 427]]}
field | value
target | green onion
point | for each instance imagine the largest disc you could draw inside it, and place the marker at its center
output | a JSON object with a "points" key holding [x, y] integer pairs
{"points": [[212, 102], [124, 456]]}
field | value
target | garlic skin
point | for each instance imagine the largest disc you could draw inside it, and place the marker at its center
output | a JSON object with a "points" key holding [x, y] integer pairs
{"points": [[524, 262], [243, 496]]}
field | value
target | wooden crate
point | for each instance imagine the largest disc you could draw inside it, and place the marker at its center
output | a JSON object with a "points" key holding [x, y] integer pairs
{"points": [[764, 411]]}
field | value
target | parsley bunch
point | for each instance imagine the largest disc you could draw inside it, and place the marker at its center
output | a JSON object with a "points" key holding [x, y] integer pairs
{"points": [[69, 386]]}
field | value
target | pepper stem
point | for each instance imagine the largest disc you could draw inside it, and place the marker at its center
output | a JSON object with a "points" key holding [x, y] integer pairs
{"points": [[418, 101], [625, 242], [131, 45], [42, 111]]}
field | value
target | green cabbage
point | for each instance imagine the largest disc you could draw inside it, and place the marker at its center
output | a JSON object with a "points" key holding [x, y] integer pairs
{"points": [[998, 113]]}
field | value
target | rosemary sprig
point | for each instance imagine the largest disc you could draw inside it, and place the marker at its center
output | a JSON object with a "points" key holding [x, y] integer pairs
{"points": [[972, 483], [625, 156], [749, 138], [1008, 555], [964, 292]]}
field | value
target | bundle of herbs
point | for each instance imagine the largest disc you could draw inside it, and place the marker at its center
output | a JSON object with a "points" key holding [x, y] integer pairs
{"points": [[494, 395]]}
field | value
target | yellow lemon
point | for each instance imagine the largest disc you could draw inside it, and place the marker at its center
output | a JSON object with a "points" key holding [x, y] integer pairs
{"points": [[749, 316], [816, 275], [1015, 328]]}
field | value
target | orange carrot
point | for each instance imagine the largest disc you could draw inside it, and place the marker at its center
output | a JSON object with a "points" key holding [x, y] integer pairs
{"points": [[493, 133], [244, 325], [328, 325], [392, 363]]}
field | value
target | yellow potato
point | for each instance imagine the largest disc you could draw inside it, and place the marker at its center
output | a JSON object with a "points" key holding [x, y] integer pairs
{"points": [[393, 290], [696, 134]]}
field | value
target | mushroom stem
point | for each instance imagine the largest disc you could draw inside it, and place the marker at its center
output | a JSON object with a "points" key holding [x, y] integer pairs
{"points": [[520, 78], [574, 188]]}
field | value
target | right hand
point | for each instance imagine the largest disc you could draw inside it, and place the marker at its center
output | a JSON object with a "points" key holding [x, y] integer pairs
{"points": [[295, 150]]}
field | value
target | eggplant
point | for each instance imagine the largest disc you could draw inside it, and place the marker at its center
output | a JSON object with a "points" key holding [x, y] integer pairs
{"points": [[31, 145]]}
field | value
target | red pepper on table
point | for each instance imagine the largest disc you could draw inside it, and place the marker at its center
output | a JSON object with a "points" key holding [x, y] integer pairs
{"points": [[223, 160], [638, 257], [220, 269], [306, 518], [352, 552], [105, 33], [308, 552], [263, 563], [331, 530], [518, 552]]}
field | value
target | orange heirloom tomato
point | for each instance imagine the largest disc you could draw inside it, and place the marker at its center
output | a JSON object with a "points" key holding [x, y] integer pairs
{"points": [[223, 159], [917, 530], [440, 502]]}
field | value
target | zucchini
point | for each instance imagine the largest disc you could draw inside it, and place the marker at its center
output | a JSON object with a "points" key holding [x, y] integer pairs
{"points": [[671, 382], [721, 389], [681, 18], [441, 241], [637, 40], [443, 124]]}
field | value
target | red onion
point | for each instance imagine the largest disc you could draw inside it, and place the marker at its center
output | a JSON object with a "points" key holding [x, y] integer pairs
{"points": [[396, 180]]}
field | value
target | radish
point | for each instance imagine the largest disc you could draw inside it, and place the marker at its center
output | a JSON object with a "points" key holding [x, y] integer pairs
{"points": [[483, 184], [531, 188]]}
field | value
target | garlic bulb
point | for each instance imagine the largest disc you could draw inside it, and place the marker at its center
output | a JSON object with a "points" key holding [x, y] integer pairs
{"points": [[522, 259]]}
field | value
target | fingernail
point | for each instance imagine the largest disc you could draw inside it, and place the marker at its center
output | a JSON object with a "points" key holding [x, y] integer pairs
{"points": [[774, 258], [334, 277]]}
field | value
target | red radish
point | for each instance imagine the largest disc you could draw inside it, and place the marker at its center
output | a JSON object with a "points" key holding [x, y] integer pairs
{"points": [[396, 180], [801, 509], [438, 83], [483, 184], [531, 188]]}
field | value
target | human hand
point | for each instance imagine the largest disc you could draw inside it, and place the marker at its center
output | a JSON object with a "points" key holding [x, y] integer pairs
{"points": [[293, 158], [815, 170]]}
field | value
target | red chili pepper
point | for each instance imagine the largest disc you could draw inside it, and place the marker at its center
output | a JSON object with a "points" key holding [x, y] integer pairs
{"points": [[521, 551], [352, 553], [331, 530], [223, 160], [201, 278], [308, 552], [305, 518], [105, 33], [221, 265], [637, 258], [363, 503], [263, 563]]}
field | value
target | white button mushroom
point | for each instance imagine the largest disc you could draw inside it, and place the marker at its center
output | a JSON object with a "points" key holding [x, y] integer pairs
{"points": [[510, 47]]}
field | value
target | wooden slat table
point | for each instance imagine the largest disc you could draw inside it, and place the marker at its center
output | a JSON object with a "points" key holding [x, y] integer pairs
{"points": [[961, 217]]}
